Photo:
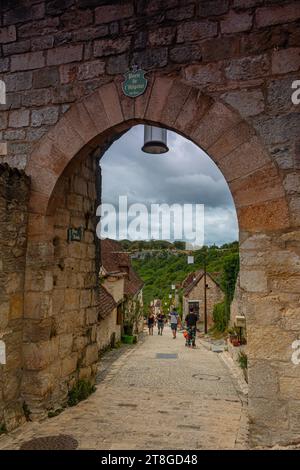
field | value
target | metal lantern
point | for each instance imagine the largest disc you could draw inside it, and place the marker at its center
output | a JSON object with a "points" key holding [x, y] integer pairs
{"points": [[155, 140]]}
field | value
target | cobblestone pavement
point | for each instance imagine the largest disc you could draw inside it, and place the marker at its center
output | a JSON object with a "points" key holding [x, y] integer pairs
{"points": [[188, 400]]}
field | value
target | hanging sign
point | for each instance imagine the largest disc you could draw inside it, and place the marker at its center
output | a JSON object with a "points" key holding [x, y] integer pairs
{"points": [[135, 83]]}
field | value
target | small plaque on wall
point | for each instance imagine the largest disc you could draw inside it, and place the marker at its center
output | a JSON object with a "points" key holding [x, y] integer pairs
{"points": [[2, 353], [75, 234]]}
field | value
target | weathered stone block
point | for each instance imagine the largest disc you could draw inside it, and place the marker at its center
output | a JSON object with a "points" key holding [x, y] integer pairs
{"points": [[46, 77], [64, 54], [286, 60], [181, 13], [248, 68], [8, 34], [162, 36], [203, 74], [69, 365], [19, 118], [117, 65], [236, 22], [91, 70], [104, 47], [254, 281], [91, 354], [40, 355], [246, 102], [71, 299], [213, 7], [195, 30], [109, 13], [28, 61], [16, 306], [277, 346], [37, 305], [44, 116], [278, 14]]}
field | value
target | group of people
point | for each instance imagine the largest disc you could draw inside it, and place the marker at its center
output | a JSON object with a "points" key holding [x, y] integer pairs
{"points": [[190, 325]]}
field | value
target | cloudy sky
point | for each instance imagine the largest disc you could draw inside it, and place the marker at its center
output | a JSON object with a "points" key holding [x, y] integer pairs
{"points": [[184, 175]]}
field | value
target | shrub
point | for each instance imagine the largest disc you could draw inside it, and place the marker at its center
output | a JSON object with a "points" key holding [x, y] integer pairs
{"points": [[81, 390], [243, 360], [220, 317]]}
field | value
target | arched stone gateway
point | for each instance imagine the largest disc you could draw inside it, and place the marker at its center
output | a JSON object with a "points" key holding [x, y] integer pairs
{"points": [[60, 167], [221, 74]]}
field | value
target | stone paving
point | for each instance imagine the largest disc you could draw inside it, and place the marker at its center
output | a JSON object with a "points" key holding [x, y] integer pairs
{"points": [[188, 400]]}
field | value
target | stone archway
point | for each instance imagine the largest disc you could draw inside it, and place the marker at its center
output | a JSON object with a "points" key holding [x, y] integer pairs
{"points": [[269, 258]]}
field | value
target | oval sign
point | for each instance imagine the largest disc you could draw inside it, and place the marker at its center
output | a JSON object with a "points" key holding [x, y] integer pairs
{"points": [[135, 83]]}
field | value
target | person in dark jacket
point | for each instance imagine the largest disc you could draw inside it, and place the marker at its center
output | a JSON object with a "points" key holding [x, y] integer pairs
{"points": [[151, 320], [161, 318], [191, 326]]}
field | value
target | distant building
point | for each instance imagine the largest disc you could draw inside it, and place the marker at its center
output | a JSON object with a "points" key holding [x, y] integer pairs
{"points": [[193, 295], [156, 306], [120, 291]]}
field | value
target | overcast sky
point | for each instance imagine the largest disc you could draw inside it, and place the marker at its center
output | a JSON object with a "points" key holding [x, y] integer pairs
{"points": [[183, 175]]}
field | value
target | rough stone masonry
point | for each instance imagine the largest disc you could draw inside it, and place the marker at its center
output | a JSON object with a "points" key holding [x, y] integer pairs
{"points": [[221, 73]]}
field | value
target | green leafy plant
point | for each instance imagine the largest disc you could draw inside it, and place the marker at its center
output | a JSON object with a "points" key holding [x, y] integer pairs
{"points": [[220, 317], [81, 391], [53, 413], [243, 360], [133, 313]]}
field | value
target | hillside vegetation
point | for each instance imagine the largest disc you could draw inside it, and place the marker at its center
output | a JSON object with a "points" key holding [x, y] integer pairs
{"points": [[163, 269]]}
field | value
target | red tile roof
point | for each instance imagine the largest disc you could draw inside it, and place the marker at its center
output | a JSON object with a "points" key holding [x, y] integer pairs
{"points": [[116, 260], [107, 303]]}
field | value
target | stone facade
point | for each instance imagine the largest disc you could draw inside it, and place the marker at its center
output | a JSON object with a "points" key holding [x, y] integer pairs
{"points": [[14, 196], [221, 74], [195, 293], [60, 333]]}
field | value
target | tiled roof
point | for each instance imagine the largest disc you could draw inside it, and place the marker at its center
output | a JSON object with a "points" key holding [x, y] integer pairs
{"points": [[192, 280], [107, 303], [115, 260]]}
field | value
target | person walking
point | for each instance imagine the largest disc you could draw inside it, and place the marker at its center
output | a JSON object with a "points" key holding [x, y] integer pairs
{"points": [[161, 322], [151, 320], [191, 326], [174, 321]]}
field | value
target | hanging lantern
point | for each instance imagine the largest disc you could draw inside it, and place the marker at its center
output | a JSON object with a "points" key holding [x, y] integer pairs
{"points": [[155, 140]]}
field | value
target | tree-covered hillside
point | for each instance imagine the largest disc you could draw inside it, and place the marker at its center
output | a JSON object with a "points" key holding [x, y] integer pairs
{"points": [[159, 272]]}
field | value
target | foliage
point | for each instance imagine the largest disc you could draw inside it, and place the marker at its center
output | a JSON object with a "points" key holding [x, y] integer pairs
{"points": [[243, 360], [133, 313], [164, 268], [220, 317], [53, 413], [81, 390]]}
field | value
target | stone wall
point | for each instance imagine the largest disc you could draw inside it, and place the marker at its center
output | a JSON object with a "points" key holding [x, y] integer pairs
{"points": [[60, 344], [221, 73], [106, 328], [14, 195], [240, 52]]}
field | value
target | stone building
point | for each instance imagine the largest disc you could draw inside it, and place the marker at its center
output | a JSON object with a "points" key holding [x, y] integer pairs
{"points": [[193, 295], [223, 74], [122, 283]]}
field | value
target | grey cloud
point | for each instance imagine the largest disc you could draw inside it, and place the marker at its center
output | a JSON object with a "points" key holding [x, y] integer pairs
{"points": [[184, 175]]}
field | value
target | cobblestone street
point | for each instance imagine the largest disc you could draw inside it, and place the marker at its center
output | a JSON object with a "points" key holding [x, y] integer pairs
{"points": [[157, 395]]}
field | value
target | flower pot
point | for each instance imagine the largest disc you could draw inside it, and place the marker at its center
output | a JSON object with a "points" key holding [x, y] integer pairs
{"points": [[128, 339]]}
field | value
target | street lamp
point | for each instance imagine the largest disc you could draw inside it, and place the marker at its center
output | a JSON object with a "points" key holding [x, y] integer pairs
{"points": [[155, 140]]}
